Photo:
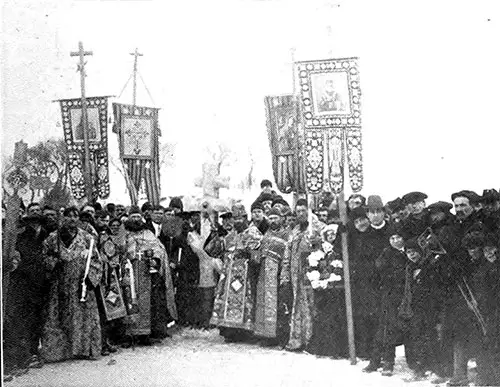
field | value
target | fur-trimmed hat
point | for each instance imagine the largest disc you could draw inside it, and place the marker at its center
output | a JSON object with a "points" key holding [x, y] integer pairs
{"points": [[238, 210], [274, 211], [440, 207], [414, 197]]}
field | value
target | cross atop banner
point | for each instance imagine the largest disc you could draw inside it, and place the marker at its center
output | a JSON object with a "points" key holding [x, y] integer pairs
{"points": [[329, 94]]}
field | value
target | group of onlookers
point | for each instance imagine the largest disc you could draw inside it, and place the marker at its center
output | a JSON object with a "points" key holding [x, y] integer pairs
{"points": [[84, 281]]}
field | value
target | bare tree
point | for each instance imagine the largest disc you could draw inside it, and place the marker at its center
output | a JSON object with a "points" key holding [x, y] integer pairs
{"points": [[46, 166], [167, 154]]}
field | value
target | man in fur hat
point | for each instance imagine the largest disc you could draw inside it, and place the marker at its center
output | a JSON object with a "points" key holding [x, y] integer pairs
{"points": [[258, 217], [397, 210]]}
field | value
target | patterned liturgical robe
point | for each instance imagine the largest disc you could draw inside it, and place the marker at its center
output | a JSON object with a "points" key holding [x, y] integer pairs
{"points": [[142, 248], [72, 327], [234, 302], [266, 300]]}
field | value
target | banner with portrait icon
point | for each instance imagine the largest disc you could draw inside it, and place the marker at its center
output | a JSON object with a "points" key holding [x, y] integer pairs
{"points": [[97, 129], [283, 123], [138, 132], [329, 101]]}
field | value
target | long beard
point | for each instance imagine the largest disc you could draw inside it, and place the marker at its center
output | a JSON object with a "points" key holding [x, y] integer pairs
{"points": [[67, 233], [274, 226], [239, 227], [134, 226]]}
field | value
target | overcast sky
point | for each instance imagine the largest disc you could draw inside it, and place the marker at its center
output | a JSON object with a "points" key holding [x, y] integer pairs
{"points": [[429, 78]]}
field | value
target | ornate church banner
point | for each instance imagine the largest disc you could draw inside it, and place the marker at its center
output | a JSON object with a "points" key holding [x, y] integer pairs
{"points": [[329, 101], [138, 132], [283, 123], [97, 117]]}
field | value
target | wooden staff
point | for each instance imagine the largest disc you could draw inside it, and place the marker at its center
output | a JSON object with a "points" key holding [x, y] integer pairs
{"points": [[347, 279], [81, 68], [87, 270]]}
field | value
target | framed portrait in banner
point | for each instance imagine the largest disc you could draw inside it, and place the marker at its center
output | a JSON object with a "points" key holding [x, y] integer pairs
{"points": [[94, 132], [97, 119], [138, 137], [329, 92]]}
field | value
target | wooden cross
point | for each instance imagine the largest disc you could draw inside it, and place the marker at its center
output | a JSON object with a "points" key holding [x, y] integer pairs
{"points": [[211, 181], [135, 54], [81, 68]]}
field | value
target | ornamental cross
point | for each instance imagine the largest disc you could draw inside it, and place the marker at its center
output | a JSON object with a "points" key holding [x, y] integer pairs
{"points": [[80, 67], [136, 133], [136, 54]]}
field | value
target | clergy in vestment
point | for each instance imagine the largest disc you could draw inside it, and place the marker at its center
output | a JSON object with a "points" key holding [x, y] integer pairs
{"points": [[234, 308], [72, 328], [294, 270], [147, 281], [272, 252]]}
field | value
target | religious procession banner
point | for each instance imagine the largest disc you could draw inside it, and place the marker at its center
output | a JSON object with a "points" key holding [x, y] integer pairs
{"points": [[329, 102], [97, 115], [283, 123], [138, 132]]}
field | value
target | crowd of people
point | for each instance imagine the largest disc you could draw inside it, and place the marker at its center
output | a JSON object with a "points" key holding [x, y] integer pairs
{"points": [[86, 281]]}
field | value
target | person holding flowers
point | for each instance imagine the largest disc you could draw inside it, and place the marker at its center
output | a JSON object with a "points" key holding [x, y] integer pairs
{"points": [[326, 275]]}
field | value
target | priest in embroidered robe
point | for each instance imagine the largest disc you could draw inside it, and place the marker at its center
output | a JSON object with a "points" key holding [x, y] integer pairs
{"points": [[147, 282], [295, 266], [72, 328], [272, 253], [234, 308]]}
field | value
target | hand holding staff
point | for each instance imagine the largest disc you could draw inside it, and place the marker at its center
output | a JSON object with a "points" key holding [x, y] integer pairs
{"points": [[87, 269]]}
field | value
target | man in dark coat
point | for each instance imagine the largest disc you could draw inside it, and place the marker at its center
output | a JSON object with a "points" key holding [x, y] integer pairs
{"points": [[416, 222], [26, 298], [391, 265], [475, 321], [364, 296], [422, 345], [188, 271], [491, 210], [438, 271], [458, 271], [373, 242]]}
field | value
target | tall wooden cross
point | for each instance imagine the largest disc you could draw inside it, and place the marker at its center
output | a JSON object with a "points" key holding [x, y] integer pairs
{"points": [[135, 54], [81, 68]]}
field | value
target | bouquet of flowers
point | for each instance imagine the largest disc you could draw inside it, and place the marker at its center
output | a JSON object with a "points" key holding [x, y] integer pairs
{"points": [[325, 266]]}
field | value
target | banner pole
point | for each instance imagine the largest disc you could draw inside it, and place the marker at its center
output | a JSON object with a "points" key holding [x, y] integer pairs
{"points": [[347, 277], [87, 172], [134, 95]]}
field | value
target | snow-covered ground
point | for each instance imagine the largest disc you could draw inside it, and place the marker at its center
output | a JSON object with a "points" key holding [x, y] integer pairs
{"points": [[201, 359]]}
